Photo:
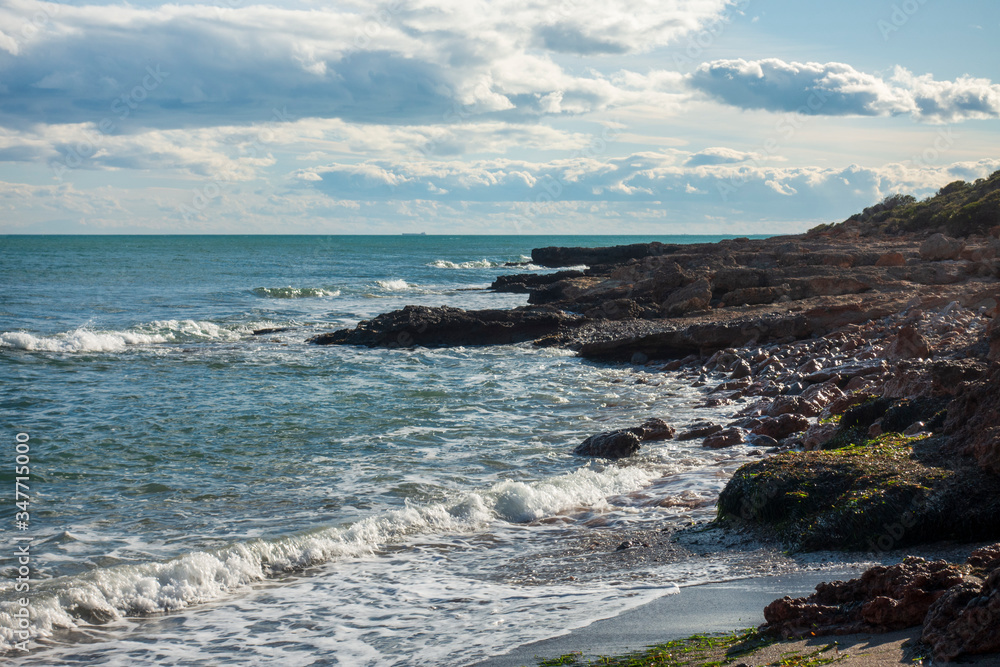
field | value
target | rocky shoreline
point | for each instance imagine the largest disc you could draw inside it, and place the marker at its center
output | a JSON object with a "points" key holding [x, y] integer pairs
{"points": [[867, 357]]}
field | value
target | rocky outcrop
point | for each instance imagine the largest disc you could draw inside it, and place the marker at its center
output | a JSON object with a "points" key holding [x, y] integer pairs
{"points": [[702, 430], [974, 421], [881, 600], [958, 605], [528, 282], [966, 619], [558, 256], [430, 327], [695, 296]]}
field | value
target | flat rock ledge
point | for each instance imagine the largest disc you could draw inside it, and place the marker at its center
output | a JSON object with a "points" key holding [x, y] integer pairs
{"points": [[445, 326]]}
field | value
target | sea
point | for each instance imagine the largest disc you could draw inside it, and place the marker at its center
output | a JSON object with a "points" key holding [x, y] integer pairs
{"points": [[192, 493]]}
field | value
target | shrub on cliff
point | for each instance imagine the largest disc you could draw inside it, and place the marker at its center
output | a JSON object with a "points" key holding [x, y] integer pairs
{"points": [[959, 208]]}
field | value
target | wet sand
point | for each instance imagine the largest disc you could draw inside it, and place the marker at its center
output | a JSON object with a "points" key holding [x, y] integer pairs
{"points": [[718, 607]]}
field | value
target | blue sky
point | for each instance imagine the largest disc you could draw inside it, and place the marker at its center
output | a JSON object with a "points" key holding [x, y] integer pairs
{"points": [[511, 116]]}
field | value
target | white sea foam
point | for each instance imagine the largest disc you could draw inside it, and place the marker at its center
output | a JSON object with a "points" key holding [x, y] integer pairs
{"points": [[473, 264], [80, 340], [85, 339], [395, 285], [141, 589], [295, 292]]}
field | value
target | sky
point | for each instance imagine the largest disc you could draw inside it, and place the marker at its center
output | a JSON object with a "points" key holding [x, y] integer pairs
{"points": [[474, 117]]}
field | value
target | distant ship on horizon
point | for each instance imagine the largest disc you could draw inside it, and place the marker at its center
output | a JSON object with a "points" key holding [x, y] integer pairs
{"points": [[414, 233]]}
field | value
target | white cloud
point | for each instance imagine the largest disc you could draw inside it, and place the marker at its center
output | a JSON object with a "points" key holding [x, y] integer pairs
{"points": [[499, 197], [397, 61], [748, 187], [837, 89], [720, 155]]}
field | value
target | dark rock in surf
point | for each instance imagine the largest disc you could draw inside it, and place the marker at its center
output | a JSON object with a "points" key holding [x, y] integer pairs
{"points": [[612, 445], [431, 327]]}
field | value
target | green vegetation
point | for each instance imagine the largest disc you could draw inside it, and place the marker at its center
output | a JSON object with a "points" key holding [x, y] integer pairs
{"points": [[702, 651], [958, 209], [848, 498]]}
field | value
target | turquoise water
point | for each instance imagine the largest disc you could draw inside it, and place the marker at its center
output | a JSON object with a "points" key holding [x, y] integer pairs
{"points": [[202, 495]]}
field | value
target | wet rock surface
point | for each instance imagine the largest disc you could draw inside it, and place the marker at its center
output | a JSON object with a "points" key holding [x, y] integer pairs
{"points": [[430, 327], [625, 442]]}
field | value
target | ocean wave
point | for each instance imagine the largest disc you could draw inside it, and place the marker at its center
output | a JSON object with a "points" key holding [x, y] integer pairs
{"points": [[295, 292], [395, 285], [80, 340], [106, 594], [474, 264], [85, 339]]}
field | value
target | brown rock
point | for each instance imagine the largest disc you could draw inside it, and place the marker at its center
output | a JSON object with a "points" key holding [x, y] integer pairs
{"points": [[792, 404], [993, 336], [881, 600], [740, 370], [726, 438], [985, 557], [781, 426], [965, 620], [695, 296], [848, 401], [939, 247], [909, 344], [752, 296], [702, 430], [891, 259], [655, 429], [818, 435], [974, 421], [822, 395]]}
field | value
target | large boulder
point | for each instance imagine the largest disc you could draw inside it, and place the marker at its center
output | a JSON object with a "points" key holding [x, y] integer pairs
{"points": [[612, 445], [726, 438], [909, 344], [655, 429], [966, 619], [695, 296], [891, 259], [939, 247], [782, 426]]}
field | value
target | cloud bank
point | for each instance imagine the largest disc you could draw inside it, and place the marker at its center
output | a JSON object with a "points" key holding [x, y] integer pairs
{"points": [[837, 89]]}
